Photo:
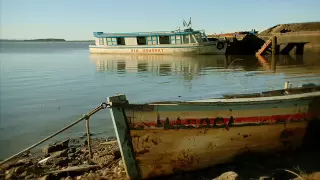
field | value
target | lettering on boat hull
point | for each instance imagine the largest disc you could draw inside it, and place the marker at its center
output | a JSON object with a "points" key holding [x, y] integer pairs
{"points": [[151, 50], [212, 49]]}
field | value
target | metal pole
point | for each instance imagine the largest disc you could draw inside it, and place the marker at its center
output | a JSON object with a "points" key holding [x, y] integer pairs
{"points": [[102, 106], [88, 135]]}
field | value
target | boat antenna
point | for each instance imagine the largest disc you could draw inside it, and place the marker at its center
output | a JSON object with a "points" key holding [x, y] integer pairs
{"points": [[184, 23], [190, 24]]}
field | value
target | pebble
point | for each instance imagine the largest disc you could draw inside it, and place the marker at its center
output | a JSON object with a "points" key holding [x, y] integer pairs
{"points": [[19, 170], [228, 176]]}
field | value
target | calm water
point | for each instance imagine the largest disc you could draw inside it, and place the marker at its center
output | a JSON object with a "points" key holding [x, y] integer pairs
{"points": [[45, 86]]}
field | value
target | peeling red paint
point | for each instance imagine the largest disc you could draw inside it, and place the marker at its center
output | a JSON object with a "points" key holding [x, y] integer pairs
{"points": [[196, 122]]}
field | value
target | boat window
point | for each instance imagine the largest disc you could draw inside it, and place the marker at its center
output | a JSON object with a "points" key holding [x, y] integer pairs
{"points": [[164, 40], [204, 37], [120, 41], [111, 41], [101, 41], [192, 39], [141, 40], [198, 37], [152, 40], [176, 39], [186, 39]]}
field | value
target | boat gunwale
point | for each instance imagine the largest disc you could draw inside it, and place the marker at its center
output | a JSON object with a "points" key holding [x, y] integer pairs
{"points": [[225, 101]]}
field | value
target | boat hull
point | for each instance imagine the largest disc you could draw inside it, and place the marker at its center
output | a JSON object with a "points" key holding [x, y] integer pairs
{"points": [[171, 49], [168, 138]]}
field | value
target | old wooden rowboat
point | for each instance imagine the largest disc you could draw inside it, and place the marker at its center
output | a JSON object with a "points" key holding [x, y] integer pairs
{"points": [[167, 137]]}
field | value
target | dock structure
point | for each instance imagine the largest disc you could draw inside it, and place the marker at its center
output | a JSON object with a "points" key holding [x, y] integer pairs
{"points": [[265, 47], [299, 42]]}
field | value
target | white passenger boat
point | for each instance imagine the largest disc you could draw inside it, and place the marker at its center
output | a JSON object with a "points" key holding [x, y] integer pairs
{"points": [[187, 41]]}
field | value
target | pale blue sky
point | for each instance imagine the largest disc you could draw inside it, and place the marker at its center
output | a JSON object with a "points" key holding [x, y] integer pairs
{"points": [[77, 19]]}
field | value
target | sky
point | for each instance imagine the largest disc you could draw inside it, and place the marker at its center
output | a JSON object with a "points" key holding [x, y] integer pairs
{"points": [[78, 19]]}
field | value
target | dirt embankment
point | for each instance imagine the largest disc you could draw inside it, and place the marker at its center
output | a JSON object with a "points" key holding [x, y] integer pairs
{"points": [[293, 27]]}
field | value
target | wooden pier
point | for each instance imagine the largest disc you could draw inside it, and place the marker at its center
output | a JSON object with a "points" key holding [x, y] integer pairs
{"points": [[271, 46]]}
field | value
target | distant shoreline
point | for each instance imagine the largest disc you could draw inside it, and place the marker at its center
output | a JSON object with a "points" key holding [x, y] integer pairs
{"points": [[44, 40]]}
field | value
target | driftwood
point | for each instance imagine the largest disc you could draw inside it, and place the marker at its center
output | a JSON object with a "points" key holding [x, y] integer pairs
{"points": [[109, 142], [74, 168]]}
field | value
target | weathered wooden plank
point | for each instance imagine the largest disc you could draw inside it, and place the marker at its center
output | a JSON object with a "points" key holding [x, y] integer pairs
{"points": [[164, 152], [123, 136]]}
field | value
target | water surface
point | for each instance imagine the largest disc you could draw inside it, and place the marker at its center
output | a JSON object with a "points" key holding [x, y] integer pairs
{"points": [[45, 86]]}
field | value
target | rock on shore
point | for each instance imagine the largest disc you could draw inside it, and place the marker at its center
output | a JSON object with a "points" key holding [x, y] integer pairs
{"points": [[68, 159]]}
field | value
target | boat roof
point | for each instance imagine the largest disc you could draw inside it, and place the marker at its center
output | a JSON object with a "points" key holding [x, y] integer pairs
{"points": [[151, 33]]}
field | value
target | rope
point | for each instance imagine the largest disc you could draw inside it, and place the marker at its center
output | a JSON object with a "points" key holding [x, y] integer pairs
{"points": [[86, 116]]}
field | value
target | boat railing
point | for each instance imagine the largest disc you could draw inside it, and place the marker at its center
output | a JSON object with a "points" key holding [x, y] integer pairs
{"points": [[146, 33]]}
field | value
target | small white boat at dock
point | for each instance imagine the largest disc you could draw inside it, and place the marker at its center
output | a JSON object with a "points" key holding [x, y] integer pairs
{"points": [[187, 41]]}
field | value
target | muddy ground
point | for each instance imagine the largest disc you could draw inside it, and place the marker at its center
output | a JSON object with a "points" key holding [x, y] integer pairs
{"points": [[57, 160], [294, 27]]}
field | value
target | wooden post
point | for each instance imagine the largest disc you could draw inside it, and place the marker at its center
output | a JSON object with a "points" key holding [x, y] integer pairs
{"points": [[274, 58], [89, 140], [274, 45]]}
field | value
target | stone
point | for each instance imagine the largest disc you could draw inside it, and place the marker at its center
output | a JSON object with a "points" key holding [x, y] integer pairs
{"points": [[116, 153], [24, 174], [34, 169], [75, 162], [24, 161], [14, 163], [46, 177], [71, 155], [10, 174], [106, 172], [56, 147], [19, 170], [26, 154], [72, 150], [85, 142], [120, 163], [228, 176], [78, 177], [112, 138], [61, 161], [58, 154], [68, 178], [265, 178]]}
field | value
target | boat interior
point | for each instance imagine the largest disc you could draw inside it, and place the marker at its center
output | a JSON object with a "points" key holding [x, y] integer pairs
{"points": [[281, 92], [306, 88]]}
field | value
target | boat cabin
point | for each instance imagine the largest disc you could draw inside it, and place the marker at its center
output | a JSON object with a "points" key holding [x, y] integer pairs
{"points": [[188, 36]]}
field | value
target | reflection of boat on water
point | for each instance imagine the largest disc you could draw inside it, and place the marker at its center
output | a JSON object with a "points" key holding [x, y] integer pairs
{"points": [[157, 63], [161, 138]]}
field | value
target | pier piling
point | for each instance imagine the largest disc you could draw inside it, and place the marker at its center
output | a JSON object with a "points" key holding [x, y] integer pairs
{"points": [[274, 45]]}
